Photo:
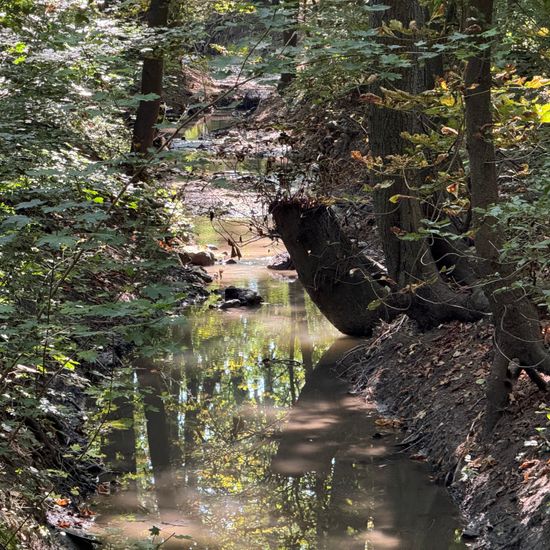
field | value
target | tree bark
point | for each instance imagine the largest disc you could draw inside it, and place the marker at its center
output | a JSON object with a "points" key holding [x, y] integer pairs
{"points": [[410, 262], [339, 281], [518, 334], [343, 283], [151, 83], [290, 38], [406, 261], [331, 270]]}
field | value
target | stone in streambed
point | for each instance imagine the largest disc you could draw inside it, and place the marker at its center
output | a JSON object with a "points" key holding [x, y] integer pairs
{"points": [[245, 296], [195, 256], [281, 262]]}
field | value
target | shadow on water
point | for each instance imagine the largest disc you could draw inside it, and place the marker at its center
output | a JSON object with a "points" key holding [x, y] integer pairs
{"points": [[242, 438]]}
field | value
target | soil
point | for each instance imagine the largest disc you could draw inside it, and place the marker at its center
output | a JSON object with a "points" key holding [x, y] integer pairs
{"points": [[432, 384]]}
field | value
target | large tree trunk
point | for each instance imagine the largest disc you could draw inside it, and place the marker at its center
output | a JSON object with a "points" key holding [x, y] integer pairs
{"points": [[518, 335], [410, 262], [338, 279], [151, 83], [343, 284], [406, 261], [349, 289]]}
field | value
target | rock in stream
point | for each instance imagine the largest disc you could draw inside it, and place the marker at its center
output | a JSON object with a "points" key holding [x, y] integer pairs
{"points": [[240, 297]]}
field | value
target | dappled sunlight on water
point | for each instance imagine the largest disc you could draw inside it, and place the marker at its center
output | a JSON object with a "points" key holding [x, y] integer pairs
{"points": [[244, 439]]}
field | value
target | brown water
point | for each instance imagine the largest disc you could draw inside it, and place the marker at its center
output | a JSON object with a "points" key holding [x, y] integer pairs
{"points": [[244, 439]]}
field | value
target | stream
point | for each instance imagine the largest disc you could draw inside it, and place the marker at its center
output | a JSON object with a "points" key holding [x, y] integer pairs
{"points": [[245, 439]]}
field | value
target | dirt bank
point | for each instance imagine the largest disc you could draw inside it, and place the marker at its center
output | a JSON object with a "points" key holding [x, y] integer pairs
{"points": [[434, 385]]}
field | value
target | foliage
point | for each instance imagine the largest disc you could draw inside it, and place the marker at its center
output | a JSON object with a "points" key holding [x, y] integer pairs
{"points": [[81, 267], [341, 62]]}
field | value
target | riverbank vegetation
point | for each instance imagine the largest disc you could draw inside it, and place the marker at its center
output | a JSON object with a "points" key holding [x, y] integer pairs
{"points": [[406, 172]]}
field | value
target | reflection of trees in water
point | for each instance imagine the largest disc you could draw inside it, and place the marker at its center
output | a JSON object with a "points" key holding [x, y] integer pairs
{"points": [[202, 425], [161, 446], [339, 485], [212, 418], [119, 444], [300, 324]]}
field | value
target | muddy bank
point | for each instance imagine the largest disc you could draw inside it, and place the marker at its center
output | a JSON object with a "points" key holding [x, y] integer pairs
{"points": [[434, 385]]}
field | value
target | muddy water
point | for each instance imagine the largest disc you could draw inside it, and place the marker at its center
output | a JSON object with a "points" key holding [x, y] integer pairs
{"points": [[244, 439]]}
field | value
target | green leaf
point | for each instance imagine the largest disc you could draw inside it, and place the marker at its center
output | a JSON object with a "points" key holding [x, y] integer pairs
{"points": [[17, 221], [377, 7], [146, 97], [29, 204], [375, 304], [57, 241]]}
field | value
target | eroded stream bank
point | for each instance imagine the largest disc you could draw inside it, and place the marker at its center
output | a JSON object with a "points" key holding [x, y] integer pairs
{"points": [[245, 438]]}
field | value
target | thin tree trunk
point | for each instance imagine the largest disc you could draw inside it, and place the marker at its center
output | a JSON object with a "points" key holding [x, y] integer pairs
{"points": [[518, 335], [151, 83], [290, 38]]}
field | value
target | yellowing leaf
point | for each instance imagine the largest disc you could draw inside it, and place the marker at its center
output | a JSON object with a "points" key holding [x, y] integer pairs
{"points": [[448, 100], [395, 25], [537, 82], [395, 198], [543, 112]]}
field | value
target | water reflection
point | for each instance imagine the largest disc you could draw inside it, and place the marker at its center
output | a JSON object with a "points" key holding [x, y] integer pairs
{"points": [[242, 443]]}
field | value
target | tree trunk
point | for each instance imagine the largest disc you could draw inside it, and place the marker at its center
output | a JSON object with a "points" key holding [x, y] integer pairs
{"points": [[331, 270], [151, 83], [518, 335], [406, 261], [290, 38], [409, 262]]}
